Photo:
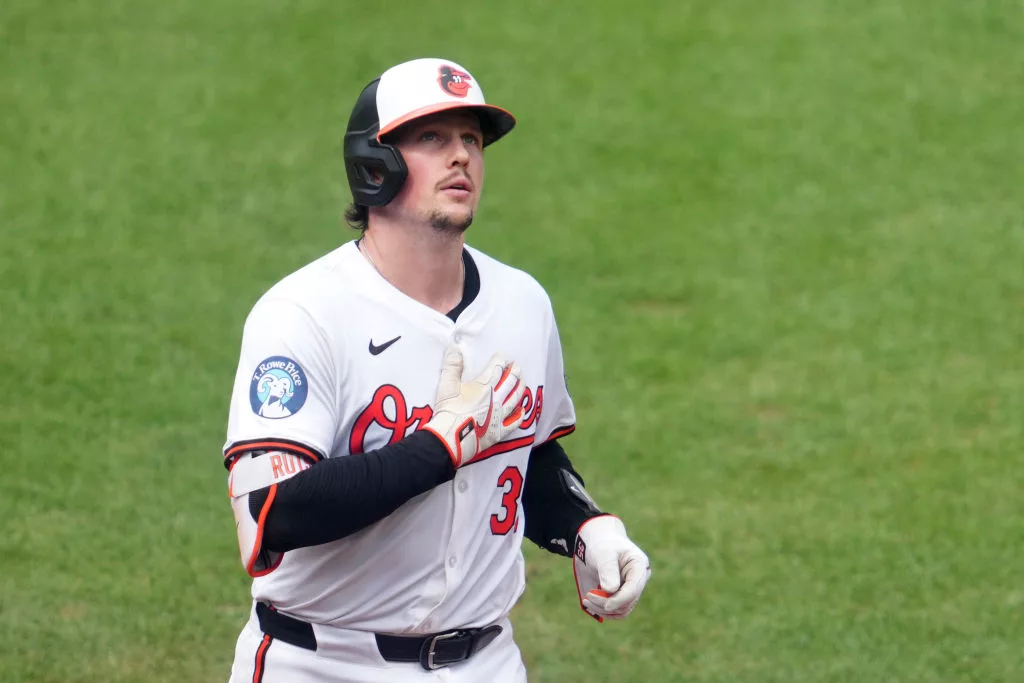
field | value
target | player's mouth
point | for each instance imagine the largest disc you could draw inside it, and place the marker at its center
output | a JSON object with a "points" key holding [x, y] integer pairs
{"points": [[458, 188]]}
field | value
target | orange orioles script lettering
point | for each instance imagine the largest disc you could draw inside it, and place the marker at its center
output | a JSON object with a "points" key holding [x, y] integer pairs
{"points": [[390, 411]]}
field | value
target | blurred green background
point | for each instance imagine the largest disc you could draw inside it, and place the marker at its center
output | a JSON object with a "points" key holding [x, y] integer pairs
{"points": [[785, 243]]}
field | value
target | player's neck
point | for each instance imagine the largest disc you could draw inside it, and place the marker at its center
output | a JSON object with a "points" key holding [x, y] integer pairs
{"points": [[423, 264]]}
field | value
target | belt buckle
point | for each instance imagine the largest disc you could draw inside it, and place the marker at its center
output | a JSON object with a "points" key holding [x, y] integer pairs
{"points": [[429, 665]]}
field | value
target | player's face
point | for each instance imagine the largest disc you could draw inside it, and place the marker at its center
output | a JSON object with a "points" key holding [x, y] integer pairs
{"points": [[444, 154]]}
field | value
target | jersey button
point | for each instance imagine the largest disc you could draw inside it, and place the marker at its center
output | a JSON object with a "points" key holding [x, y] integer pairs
{"points": [[452, 561], [457, 338], [463, 486]]}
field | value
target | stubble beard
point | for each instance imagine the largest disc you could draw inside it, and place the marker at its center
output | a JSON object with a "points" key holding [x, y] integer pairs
{"points": [[444, 223]]}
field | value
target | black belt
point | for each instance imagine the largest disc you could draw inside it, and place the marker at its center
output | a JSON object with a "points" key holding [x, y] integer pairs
{"points": [[432, 651]]}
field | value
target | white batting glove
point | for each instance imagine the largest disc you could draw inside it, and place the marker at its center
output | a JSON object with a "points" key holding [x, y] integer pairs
{"points": [[471, 417], [611, 571]]}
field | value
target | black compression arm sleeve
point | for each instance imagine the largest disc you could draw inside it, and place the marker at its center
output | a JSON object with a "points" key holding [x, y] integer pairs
{"points": [[553, 511], [339, 496]]}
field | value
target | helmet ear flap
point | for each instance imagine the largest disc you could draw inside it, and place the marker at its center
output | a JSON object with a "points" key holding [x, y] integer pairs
{"points": [[376, 171]]}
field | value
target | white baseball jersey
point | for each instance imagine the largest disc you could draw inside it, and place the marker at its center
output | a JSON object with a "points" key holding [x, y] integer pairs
{"points": [[335, 362]]}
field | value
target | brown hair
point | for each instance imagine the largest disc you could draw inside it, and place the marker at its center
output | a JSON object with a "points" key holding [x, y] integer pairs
{"points": [[358, 217]]}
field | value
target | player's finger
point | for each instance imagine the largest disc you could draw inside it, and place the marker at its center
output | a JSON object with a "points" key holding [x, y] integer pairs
{"points": [[608, 575], [596, 599], [492, 372], [512, 404], [514, 414], [451, 373], [602, 606], [590, 608], [509, 380], [635, 573], [506, 379]]}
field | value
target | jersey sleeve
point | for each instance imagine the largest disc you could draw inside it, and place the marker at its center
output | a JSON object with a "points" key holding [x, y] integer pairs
{"points": [[557, 414], [285, 391]]}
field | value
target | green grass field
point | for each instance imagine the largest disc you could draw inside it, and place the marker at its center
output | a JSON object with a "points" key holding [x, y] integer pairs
{"points": [[785, 242]]}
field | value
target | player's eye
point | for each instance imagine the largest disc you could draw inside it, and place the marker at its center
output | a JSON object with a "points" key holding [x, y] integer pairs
{"points": [[471, 139], [429, 136]]}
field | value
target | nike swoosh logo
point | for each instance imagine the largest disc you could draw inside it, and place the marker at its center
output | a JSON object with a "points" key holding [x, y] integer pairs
{"points": [[481, 429], [375, 350]]}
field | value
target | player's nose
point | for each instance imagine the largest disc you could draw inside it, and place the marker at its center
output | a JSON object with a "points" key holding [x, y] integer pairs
{"points": [[459, 155]]}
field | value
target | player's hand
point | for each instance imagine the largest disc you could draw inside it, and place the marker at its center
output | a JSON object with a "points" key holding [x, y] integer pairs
{"points": [[614, 570], [471, 417]]}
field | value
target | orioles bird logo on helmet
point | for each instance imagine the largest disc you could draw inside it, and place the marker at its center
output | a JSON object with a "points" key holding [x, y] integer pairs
{"points": [[453, 81]]}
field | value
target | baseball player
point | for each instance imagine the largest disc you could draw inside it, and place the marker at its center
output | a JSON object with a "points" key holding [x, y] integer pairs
{"points": [[395, 422]]}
